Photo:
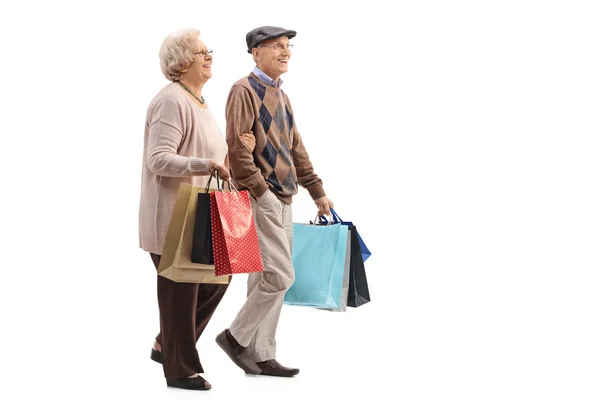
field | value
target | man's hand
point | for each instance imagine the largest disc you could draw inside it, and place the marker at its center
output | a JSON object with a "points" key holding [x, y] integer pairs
{"points": [[324, 205], [249, 140]]}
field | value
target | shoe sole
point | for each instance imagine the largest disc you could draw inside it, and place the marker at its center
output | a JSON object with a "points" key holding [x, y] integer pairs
{"points": [[279, 375], [156, 355], [174, 385]]}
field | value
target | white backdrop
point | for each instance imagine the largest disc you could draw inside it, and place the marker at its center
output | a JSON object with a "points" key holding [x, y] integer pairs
{"points": [[461, 137]]}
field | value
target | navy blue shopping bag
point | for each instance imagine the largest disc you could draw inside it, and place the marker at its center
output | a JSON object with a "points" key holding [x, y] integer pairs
{"points": [[358, 287]]}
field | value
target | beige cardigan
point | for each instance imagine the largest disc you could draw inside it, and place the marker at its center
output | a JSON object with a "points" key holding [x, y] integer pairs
{"points": [[180, 139]]}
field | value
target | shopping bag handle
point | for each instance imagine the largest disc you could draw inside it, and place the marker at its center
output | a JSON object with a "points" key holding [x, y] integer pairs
{"points": [[231, 186], [323, 220], [214, 172], [221, 187], [336, 218]]}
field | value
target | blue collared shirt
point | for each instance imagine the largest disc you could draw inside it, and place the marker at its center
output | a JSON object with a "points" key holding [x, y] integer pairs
{"points": [[266, 78]]}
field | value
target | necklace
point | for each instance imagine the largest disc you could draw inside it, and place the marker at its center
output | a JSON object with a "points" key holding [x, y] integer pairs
{"points": [[201, 99]]}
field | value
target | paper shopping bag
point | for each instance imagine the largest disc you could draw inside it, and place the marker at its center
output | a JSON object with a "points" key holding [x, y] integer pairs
{"points": [[318, 256], [235, 240], [202, 247], [364, 250], [202, 243], [345, 281], [175, 263], [358, 292]]}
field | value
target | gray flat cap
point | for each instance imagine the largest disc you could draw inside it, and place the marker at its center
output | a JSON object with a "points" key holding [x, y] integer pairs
{"points": [[255, 36]]}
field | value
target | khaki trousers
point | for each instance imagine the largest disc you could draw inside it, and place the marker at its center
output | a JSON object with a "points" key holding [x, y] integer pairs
{"points": [[256, 323]]}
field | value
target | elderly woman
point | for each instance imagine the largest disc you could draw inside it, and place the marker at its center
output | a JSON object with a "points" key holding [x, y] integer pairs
{"points": [[182, 143]]}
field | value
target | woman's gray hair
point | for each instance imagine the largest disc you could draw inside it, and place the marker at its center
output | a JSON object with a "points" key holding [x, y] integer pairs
{"points": [[176, 53]]}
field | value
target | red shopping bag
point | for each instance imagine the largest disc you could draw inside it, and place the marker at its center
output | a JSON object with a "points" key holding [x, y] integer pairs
{"points": [[235, 241]]}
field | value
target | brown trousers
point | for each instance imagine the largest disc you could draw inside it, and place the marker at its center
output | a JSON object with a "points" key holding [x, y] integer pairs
{"points": [[185, 309]]}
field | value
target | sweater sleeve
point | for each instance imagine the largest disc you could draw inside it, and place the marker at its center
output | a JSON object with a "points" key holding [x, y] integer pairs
{"points": [[239, 114], [165, 135]]}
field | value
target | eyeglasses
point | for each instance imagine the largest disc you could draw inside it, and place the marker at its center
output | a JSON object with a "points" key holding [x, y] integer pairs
{"points": [[279, 46], [204, 53]]}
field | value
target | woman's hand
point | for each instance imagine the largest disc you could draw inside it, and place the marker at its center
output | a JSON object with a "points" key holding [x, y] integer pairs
{"points": [[249, 140], [222, 170]]}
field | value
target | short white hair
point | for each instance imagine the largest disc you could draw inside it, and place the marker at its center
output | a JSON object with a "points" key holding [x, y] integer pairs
{"points": [[176, 53]]}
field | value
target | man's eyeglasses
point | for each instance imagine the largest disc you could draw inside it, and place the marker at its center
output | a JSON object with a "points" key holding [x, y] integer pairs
{"points": [[279, 46], [204, 53]]}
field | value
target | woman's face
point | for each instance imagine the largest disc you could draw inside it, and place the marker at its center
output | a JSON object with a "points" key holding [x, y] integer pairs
{"points": [[201, 67]]}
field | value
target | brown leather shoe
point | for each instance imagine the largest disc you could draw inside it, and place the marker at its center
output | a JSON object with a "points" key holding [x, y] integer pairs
{"points": [[238, 354], [273, 368]]}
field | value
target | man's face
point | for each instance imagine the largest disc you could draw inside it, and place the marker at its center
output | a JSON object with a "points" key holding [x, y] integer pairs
{"points": [[273, 56]]}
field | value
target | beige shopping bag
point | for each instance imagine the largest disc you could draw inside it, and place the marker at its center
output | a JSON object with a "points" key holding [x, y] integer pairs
{"points": [[175, 263]]}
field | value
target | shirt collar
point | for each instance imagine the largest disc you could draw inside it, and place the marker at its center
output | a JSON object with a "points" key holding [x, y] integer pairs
{"points": [[266, 78]]}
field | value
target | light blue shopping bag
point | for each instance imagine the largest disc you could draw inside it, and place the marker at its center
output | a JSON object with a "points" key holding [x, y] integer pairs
{"points": [[318, 255], [364, 250]]}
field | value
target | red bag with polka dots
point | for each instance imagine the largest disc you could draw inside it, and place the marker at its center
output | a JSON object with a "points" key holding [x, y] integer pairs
{"points": [[235, 241]]}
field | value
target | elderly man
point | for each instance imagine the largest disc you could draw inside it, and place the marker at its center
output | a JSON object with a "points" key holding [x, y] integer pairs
{"points": [[271, 174]]}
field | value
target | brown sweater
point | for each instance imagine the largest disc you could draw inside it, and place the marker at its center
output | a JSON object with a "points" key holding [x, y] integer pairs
{"points": [[280, 161]]}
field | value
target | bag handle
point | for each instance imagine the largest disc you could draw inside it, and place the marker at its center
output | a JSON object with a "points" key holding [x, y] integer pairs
{"points": [[323, 220], [220, 187], [336, 218], [231, 185], [216, 173]]}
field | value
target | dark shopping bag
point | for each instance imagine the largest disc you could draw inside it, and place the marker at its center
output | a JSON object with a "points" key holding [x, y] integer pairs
{"points": [[358, 288], [202, 242]]}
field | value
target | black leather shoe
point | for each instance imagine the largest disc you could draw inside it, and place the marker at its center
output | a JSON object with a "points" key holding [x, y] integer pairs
{"points": [[273, 368], [238, 354], [197, 383], [156, 356]]}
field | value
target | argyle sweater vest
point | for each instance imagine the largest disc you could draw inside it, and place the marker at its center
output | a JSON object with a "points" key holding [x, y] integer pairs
{"points": [[279, 161]]}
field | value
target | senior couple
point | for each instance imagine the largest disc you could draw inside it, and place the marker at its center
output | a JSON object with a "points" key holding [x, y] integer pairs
{"points": [[264, 153]]}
